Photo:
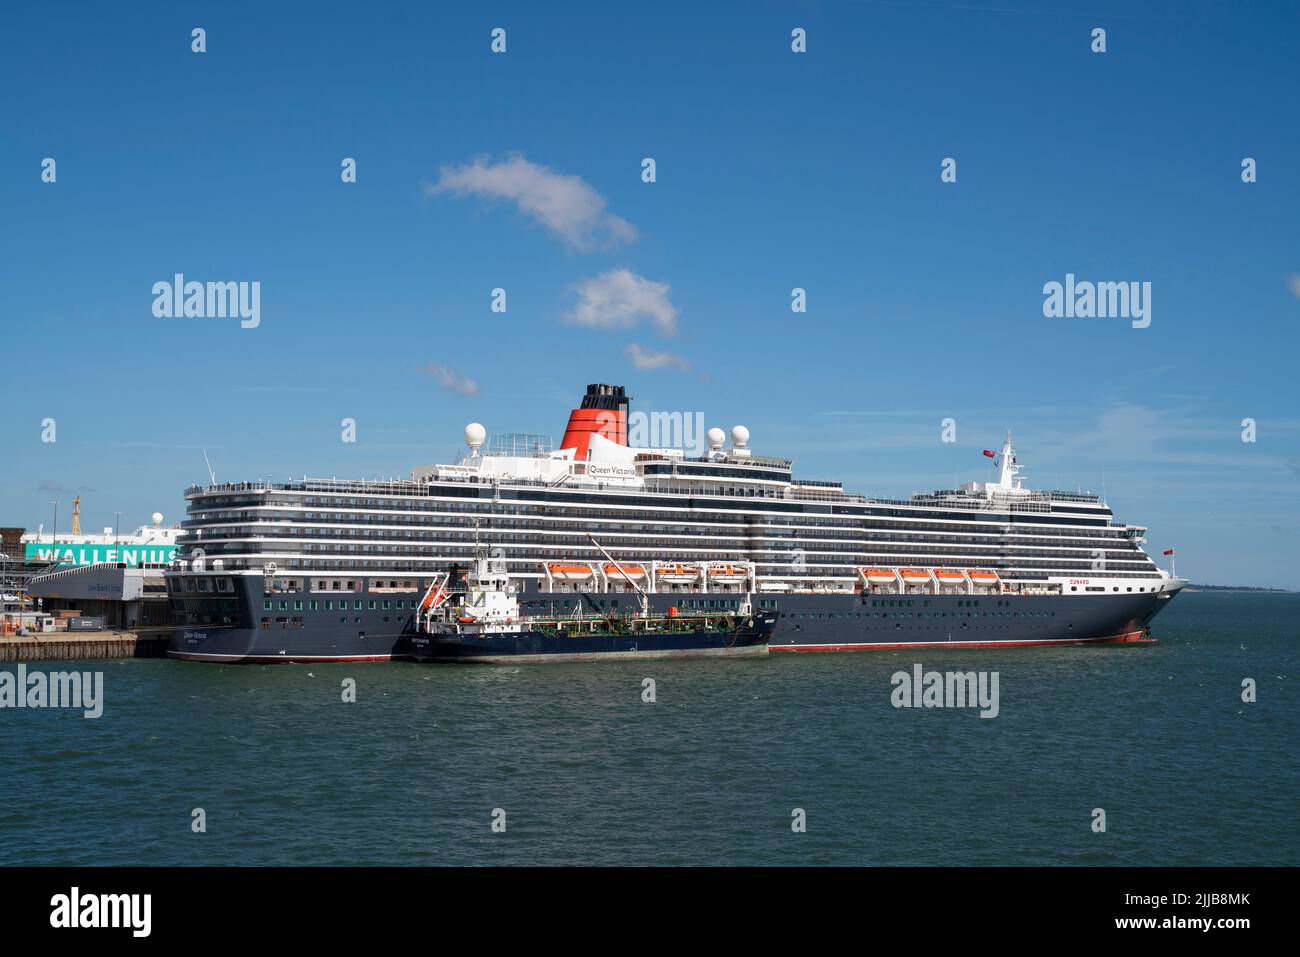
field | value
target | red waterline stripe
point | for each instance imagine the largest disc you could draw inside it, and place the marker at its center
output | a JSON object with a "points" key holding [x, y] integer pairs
{"points": [[1130, 637]]}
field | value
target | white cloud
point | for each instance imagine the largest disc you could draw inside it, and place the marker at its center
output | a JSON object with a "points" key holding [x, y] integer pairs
{"points": [[642, 359], [1293, 281], [620, 298], [564, 204], [451, 379]]}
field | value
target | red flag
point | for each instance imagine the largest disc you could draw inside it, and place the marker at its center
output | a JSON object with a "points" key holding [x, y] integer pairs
{"points": [[1169, 551], [991, 455]]}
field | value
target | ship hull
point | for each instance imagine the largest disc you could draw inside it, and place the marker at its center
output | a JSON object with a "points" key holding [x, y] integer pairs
{"points": [[943, 621], [532, 647], [811, 623], [321, 644]]}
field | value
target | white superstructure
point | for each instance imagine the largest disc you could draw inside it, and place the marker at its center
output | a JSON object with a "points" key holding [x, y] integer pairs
{"points": [[661, 510]]}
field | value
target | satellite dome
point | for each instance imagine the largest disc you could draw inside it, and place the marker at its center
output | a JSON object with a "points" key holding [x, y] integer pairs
{"points": [[739, 436], [157, 518], [716, 437], [475, 434]]}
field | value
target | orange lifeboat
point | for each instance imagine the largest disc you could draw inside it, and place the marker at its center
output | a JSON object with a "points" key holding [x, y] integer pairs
{"points": [[569, 573], [983, 577], [950, 576], [915, 576], [631, 571], [435, 597], [880, 576]]}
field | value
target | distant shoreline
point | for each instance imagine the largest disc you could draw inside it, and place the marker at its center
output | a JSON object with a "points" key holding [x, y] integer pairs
{"points": [[1239, 590]]}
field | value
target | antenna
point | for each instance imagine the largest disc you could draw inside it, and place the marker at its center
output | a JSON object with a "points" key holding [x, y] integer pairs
{"points": [[211, 474]]}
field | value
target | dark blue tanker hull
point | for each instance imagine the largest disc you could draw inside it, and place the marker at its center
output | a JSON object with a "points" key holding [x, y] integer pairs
{"points": [[532, 647]]}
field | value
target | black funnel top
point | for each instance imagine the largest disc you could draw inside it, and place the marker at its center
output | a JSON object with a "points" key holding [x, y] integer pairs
{"points": [[601, 396]]}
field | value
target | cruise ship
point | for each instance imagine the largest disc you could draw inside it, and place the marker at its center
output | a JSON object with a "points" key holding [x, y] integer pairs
{"points": [[326, 570]]}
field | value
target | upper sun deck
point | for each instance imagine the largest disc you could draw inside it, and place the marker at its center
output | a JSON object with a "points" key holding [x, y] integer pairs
{"points": [[388, 493], [326, 486], [528, 461]]}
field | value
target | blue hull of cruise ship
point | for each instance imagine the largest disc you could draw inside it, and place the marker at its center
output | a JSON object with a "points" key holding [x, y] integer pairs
{"points": [[805, 622]]}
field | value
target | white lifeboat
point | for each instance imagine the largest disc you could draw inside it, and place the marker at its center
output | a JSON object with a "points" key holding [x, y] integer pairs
{"points": [[677, 573], [728, 574]]}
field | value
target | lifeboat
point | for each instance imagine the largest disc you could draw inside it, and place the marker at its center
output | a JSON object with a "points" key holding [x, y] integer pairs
{"points": [[569, 573], [880, 576], [915, 576], [728, 574], [434, 598], [677, 574], [631, 571], [950, 576], [983, 577]]}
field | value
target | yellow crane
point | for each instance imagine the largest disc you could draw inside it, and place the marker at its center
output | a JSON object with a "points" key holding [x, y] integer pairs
{"points": [[76, 515]]}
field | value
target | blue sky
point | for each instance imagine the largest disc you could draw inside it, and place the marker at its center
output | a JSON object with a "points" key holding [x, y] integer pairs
{"points": [[775, 170]]}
